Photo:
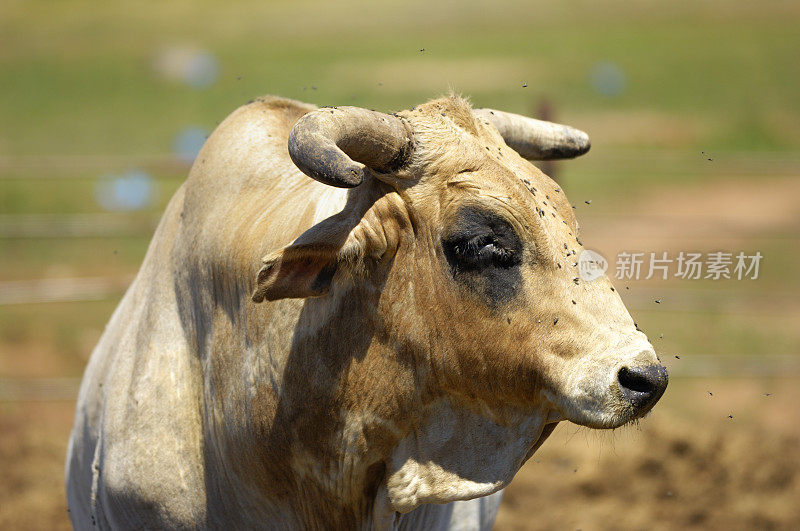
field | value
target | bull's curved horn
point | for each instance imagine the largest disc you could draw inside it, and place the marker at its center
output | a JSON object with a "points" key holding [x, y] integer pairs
{"points": [[535, 139], [332, 145]]}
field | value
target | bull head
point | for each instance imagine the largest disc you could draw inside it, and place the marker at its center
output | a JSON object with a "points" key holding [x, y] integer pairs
{"points": [[467, 255]]}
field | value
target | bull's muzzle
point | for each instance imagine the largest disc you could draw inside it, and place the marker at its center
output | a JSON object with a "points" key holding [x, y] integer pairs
{"points": [[643, 385]]}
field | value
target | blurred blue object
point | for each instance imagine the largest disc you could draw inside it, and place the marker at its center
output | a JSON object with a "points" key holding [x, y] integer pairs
{"points": [[202, 70], [133, 190], [188, 143], [608, 79], [197, 68]]}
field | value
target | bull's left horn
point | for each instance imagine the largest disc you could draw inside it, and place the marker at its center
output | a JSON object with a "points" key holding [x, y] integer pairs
{"points": [[535, 139], [332, 145]]}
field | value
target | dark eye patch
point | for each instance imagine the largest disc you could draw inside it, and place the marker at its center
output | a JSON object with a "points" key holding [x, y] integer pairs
{"points": [[484, 254]]}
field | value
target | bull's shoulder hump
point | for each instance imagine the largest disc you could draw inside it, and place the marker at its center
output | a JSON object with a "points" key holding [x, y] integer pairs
{"points": [[247, 153], [284, 105], [281, 112]]}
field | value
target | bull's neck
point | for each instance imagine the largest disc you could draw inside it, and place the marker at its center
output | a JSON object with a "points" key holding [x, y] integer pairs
{"points": [[304, 409]]}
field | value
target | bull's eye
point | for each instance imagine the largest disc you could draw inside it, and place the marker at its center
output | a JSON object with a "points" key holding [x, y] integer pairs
{"points": [[484, 254], [481, 251]]}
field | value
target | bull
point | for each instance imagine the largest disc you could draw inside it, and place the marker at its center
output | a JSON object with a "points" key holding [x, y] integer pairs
{"points": [[414, 332]]}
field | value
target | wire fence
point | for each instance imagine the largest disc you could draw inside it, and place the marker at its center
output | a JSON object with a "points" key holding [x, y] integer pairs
{"points": [[37, 167], [62, 289], [38, 389], [90, 225]]}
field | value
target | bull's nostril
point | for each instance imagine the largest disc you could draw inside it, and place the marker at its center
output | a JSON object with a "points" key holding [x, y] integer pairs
{"points": [[643, 386], [635, 381]]}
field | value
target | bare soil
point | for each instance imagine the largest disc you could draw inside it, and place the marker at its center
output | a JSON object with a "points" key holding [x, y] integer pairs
{"points": [[688, 465]]}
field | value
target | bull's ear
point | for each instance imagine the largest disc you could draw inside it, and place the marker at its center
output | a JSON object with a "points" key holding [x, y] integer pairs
{"points": [[336, 248], [306, 267], [296, 272]]}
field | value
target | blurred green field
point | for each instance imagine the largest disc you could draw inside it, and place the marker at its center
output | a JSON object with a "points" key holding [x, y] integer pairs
{"points": [[77, 76], [81, 99]]}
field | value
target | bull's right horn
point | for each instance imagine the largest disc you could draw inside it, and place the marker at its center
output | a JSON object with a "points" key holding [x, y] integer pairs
{"points": [[535, 139], [332, 145]]}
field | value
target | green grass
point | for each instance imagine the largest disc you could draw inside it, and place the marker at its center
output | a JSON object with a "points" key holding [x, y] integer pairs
{"points": [[60, 334], [33, 258], [701, 333], [81, 81]]}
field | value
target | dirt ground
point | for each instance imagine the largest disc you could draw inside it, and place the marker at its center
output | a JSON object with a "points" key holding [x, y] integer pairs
{"points": [[687, 465], [33, 443]]}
